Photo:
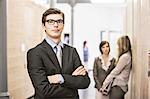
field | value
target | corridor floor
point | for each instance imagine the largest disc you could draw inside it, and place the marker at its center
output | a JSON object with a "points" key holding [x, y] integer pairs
{"points": [[88, 93]]}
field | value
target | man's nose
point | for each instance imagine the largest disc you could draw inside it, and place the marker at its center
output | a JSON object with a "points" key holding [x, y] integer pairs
{"points": [[55, 23]]}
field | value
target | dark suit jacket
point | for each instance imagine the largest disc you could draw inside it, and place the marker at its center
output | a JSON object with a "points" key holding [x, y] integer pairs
{"points": [[42, 62]]}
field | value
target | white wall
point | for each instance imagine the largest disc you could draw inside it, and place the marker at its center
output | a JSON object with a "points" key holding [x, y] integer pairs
{"points": [[90, 19]]}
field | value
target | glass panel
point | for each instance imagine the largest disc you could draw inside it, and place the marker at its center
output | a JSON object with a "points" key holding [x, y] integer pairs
{"points": [[107, 1]]}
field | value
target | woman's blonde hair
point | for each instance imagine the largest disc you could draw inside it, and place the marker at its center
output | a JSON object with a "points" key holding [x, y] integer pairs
{"points": [[124, 45]]}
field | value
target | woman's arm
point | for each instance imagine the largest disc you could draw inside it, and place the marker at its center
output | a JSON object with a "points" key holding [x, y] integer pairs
{"points": [[123, 61]]}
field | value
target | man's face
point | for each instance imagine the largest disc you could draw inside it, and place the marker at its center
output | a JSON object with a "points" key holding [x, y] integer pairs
{"points": [[54, 26]]}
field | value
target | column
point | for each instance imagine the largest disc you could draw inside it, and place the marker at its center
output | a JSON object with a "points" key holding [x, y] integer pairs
{"points": [[3, 50]]}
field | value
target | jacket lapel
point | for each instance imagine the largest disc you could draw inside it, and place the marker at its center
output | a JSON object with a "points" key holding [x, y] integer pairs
{"points": [[51, 53]]}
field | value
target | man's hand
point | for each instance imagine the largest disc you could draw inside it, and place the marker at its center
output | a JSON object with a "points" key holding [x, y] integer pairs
{"points": [[80, 71], [54, 79]]}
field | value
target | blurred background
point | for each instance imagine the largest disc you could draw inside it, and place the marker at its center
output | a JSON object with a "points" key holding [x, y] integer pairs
{"points": [[85, 20]]}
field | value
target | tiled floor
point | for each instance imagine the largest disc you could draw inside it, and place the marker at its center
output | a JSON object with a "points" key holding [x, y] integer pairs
{"points": [[88, 93]]}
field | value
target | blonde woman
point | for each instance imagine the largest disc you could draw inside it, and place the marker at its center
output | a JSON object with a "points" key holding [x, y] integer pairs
{"points": [[120, 74], [103, 65]]}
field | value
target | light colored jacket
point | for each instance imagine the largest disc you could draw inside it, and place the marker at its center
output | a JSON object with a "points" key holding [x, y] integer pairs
{"points": [[120, 73]]}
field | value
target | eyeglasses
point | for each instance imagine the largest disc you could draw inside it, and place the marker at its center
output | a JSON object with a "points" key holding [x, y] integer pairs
{"points": [[52, 22]]}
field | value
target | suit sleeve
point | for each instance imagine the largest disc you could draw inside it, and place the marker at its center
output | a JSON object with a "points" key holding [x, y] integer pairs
{"points": [[77, 82], [38, 76]]}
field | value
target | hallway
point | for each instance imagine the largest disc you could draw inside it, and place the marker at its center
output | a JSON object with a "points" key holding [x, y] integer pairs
{"points": [[21, 29]]}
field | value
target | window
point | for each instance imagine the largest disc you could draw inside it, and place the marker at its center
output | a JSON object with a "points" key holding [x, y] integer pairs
{"points": [[42, 2]]}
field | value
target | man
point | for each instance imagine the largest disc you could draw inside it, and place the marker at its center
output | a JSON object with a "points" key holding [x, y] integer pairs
{"points": [[55, 77]]}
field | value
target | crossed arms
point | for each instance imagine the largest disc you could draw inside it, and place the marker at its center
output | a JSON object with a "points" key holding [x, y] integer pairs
{"points": [[57, 78], [52, 86]]}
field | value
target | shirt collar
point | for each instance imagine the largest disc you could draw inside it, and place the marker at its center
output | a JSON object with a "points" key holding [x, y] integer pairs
{"points": [[52, 43], [109, 57], [106, 66]]}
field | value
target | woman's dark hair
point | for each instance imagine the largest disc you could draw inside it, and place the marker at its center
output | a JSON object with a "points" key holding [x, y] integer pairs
{"points": [[101, 45]]}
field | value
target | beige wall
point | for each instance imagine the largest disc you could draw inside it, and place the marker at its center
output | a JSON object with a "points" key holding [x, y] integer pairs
{"points": [[24, 32], [138, 22]]}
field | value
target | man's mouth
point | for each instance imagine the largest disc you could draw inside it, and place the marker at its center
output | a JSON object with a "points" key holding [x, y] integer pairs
{"points": [[56, 30]]}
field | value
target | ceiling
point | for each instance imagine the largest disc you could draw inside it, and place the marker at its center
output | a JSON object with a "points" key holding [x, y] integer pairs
{"points": [[73, 2]]}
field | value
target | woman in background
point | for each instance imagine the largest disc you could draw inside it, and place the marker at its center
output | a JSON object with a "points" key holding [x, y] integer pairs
{"points": [[120, 74], [103, 65]]}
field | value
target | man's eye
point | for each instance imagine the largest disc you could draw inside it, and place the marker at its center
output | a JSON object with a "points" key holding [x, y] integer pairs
{"points": [[51, 21], [60, 21]]}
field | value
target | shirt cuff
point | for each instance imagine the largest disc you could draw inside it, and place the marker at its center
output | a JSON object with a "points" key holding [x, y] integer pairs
{"points": [[61, 79]]}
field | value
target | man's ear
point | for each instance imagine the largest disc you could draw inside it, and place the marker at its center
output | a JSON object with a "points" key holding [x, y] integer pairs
{"points": [[43, 26]]}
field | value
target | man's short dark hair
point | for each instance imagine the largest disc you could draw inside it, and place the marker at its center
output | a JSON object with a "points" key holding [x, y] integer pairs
{"points": [[51, 11]]}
